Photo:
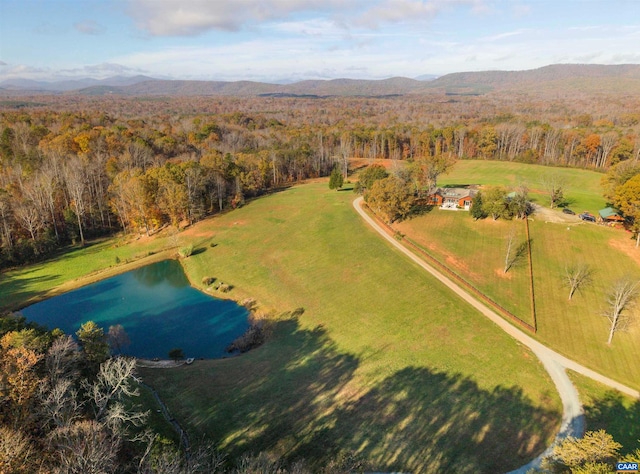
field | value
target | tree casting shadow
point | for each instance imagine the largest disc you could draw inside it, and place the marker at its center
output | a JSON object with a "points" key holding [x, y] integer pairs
{"points": [[612, 414], [293, 397]]}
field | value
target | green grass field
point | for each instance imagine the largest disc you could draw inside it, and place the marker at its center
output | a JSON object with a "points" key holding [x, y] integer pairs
{"points": [[609, 410], [384, 362], [582, 190], [476, 250]]}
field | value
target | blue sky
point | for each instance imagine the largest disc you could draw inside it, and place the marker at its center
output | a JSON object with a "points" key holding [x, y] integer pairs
{"points": [[273, 40]]}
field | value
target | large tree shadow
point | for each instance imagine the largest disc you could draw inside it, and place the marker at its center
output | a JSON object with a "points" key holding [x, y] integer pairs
{"points": [[293, 397], [619, 417], [20, 289], [419, 420], [264, 400]]}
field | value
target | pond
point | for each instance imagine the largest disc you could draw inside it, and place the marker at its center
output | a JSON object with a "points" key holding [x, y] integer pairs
{"points": [[158, 309]]}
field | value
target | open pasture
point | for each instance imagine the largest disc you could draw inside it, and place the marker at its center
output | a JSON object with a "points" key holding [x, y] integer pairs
{"points": [[384, 362], [476, 250]]}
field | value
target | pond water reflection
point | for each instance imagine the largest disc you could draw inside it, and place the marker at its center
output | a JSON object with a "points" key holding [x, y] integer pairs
{"points": [[157, 307]]}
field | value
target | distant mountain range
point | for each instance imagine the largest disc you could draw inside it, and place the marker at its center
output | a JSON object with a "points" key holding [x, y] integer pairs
{"points": [[558, 78], [70, 84]]}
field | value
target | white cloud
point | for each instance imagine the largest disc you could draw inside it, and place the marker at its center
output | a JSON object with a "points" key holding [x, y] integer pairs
{"points": [[313, 27], [505, 35], [520, 10], [89, 27], [192, 17], [101, 70], [24, 71], [411, 11]]}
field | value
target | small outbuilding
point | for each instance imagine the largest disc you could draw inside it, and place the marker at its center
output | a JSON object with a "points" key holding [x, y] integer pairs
{"points": [[610, 215]]}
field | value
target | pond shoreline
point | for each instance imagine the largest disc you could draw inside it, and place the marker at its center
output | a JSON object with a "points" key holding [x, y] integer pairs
{"points": [[94, 277], [156, 299], [160, 364]]}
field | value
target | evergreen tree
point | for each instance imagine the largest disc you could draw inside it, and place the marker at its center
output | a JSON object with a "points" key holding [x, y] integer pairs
{"points": [[94, 344], [477, 210], [336, 180]]}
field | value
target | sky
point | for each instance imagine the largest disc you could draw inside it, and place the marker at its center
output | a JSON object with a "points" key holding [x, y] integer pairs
{"points": [[291, 40]]}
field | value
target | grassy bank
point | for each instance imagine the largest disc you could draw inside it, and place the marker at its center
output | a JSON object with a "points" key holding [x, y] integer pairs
{"points": [[77, 267]]}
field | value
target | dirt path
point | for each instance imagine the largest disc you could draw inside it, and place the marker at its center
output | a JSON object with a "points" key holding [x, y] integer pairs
{"points": [[554, 215], [572, 419]]}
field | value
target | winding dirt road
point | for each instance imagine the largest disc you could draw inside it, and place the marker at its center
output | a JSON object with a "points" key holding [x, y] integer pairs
{"points": [[554, 363]]}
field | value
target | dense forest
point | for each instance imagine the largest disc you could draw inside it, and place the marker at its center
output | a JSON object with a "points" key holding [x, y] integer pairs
{"points": [[74, 167]]}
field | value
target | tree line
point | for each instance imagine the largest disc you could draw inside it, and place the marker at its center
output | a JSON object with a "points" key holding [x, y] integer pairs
{"points": [[69, 175]]}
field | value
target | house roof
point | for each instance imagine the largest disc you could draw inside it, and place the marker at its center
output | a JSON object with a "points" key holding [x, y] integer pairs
{"points": [[457, 193], [609, 213]]}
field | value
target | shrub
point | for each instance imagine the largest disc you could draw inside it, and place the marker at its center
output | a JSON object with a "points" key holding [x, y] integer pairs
{"points": [[258, 332], [186, 251], [249, 303], [224, 288], [176, 354], [208, 281]]}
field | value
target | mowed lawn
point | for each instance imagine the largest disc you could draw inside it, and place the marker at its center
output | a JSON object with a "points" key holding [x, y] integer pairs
{"points": [[476, 250], [577, 328], [609, 410], [384, 362], [582, 187]]}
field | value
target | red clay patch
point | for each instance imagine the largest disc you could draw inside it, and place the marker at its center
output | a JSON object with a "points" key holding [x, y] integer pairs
{"points": [[628, 247], [500, 273]]}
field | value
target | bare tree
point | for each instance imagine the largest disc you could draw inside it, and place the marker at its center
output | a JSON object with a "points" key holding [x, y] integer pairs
{"points": [[576, 276], [48, 185], [85, 447], [514, 252], [608, 142], [28, 217], [117, 338], [61, 360], [15, 450], [112, 384], [75, 179], [6, 214], [60, 404], [554, 185], [620, 302]]}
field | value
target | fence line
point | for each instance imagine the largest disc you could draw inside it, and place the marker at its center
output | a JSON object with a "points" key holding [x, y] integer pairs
{"points": [[441, 266], [531, 288]]}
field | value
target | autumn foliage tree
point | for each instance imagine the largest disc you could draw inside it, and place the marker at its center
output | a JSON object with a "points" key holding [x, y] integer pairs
{"points": [[391, 197], [627, 199], [596, 452], [74, 169]]}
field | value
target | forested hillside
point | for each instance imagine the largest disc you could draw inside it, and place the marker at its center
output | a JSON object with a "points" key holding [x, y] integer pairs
{"points": [[75, 167]]}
